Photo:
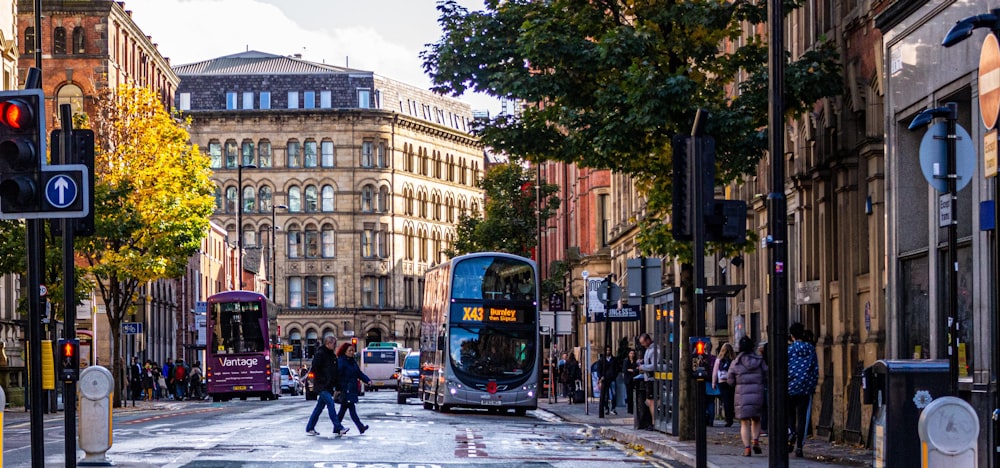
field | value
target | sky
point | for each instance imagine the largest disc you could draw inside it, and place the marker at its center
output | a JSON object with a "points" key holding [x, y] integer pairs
{"points": [[383, 36]]}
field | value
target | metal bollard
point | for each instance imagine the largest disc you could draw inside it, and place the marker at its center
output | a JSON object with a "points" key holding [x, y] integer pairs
{"points": [[949, 430], [96, 386]]}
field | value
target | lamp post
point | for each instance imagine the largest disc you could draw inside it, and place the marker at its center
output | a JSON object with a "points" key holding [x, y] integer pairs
{"points": [[239, 221], [274, 258]]}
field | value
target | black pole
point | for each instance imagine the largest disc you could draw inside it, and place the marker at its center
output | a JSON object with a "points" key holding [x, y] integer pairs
{"points": [[239, 225], [698, 263], [69, 287], [35, 247], [952, 323], [778, 225]]}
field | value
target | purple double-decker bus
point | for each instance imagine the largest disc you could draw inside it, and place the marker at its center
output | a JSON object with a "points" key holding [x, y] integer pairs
{"points": [[241, 359]]}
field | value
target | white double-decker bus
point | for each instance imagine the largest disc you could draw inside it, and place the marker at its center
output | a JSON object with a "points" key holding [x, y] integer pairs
{"points": [[479, 334]]}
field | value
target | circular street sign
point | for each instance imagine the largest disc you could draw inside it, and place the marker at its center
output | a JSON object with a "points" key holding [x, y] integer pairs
{"points": [[61, 191], [989, 81], [42, 290], [934, 157]]}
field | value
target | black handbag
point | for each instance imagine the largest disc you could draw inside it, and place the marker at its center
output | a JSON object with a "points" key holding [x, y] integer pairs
{"points": [[338, 397]]}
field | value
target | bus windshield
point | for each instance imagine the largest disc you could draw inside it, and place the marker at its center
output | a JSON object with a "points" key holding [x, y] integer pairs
{"points": [[493, 278], [491, 353], [237, 328]]}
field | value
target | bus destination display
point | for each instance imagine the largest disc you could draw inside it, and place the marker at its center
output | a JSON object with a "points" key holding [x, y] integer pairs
{"points": [[465, 313]]}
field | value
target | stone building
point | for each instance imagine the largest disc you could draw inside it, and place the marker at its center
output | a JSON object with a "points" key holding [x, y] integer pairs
{"points": [[351, 185]]}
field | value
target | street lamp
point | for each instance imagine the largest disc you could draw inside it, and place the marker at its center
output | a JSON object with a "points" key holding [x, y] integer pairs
{"points": [[239, 220], [274, 258]]}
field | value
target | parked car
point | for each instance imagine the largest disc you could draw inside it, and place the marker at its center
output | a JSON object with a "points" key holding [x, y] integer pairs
{"points": [[408, 377], [289, 381]]}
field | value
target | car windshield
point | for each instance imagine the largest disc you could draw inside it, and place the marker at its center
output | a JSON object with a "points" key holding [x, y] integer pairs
{"points": [[284, 371], [412, 362]]}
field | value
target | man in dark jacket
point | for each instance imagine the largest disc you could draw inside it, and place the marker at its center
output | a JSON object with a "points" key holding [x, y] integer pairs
{"points": [[803, 374], [135, 372], [607, 370], [324, 367]]}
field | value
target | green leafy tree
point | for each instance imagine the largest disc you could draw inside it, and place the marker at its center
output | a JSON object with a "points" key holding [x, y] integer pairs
{"points": [[613, 80], [153, 198], [510, 218]]}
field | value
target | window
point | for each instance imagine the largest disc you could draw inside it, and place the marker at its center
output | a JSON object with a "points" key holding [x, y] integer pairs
{"points": [[368, 241], [247, 100], [408, 241], [380, 156], [327, 203], [185, 103], [604, 211], [265, 99], [231, 154], [294, 242], [293, 99], [373, 291], [249, 201], [309, 99], [230, 100], [327, 154], [409, 293], [383, 200], [249, 238], [231, 194], [79, 47], [382, 241], [311, 198], [248, 156], [219, 203], [312, 242], [366, 154], [70, 94], [312, 291], [266, 199], [329, 291], [329, 239], [29, 40], [59, 41], [367, 195], [294, 292], [264, 154], [365, 98], [325, 99], [294, 159], [294, 199], [310, 153]]}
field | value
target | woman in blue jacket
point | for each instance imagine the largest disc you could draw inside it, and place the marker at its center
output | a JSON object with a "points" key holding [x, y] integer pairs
{"points": [[348, 375]]}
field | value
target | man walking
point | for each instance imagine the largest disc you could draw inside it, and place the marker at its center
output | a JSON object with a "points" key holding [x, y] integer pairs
{"points": [[803, 373], [135, 372], [607, 370], [324, 367]]}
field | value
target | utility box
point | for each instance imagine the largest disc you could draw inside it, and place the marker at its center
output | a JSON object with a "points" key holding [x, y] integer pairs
{"points": [[899, 391]]}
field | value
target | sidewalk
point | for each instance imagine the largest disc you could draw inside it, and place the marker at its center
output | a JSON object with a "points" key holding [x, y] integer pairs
{"points": [[723, 449]]}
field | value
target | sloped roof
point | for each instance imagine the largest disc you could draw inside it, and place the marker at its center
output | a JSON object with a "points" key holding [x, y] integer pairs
{"points": [[253, 62]]}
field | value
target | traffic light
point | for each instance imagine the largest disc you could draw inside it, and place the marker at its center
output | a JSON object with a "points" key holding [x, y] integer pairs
{"points": [[727, 222], [699, 357], [354, 341], [69, 360], [693, 169], [82, 152], [22, 152]]}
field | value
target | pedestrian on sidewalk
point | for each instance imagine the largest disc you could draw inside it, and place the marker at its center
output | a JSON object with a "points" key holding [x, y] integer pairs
{"points": [[648, 367], [710, 392], [720, 374], [803, 374], [630, 369], [747, 375], [571, 376], [348, 377], [324, 367], [608, 369]]}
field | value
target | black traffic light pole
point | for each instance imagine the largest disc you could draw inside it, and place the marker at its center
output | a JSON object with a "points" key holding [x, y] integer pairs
{"points": [[69, 289], [700, 198]]}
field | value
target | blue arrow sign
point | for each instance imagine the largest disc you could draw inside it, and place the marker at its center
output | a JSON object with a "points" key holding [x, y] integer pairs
{"points": [[61, 191]]}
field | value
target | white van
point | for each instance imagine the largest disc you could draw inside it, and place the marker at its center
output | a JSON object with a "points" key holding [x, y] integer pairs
{"points": [[379, 362]]}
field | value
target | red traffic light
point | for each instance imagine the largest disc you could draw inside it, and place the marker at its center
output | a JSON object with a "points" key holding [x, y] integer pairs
{"points": [[15, 114], [354, 341], [699, 348], [69, 350]]}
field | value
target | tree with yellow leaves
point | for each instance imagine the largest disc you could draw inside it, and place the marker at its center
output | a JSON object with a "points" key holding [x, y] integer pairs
{"points": [[152, 201]]}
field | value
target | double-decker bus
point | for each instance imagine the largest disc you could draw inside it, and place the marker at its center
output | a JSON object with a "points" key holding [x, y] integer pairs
{"points": [[479, 334], [240, 359]]}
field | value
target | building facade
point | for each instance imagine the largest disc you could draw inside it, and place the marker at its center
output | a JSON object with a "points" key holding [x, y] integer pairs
{"points": [[349, 185]]}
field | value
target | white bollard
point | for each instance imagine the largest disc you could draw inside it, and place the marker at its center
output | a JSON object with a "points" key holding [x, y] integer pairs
{"points": [[94, 428], [948, 429]]}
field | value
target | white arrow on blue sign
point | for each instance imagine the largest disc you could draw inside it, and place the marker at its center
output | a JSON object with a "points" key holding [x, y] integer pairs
{"points": [[131, 328], [61, 191]]}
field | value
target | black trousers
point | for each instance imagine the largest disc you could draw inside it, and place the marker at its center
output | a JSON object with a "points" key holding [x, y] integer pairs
{"points": [[797, 406]]}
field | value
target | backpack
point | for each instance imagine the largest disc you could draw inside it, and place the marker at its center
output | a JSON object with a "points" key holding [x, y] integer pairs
{"points": [[180, 373]]}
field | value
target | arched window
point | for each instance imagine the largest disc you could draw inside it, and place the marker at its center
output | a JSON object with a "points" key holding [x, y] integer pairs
{"points": [[329, 291], [294, 241], [328, 199], [310, 153], [29, 40], [367, 196], [292, 155], [327, 155], [312, 242], [266, 199], [231, 194], [436, 206], [232, 154], [408, 200], [219, 203], [249, 157], [264, 153], [408, 241], [329, 241], [312, 196], [294, 199], [249, 199], [383, 200], [70, 94], [59, 40], [215, 155], [78, 43]]}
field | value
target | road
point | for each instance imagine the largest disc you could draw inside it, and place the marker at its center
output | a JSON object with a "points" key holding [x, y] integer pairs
{"points": [[272, 434]]}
